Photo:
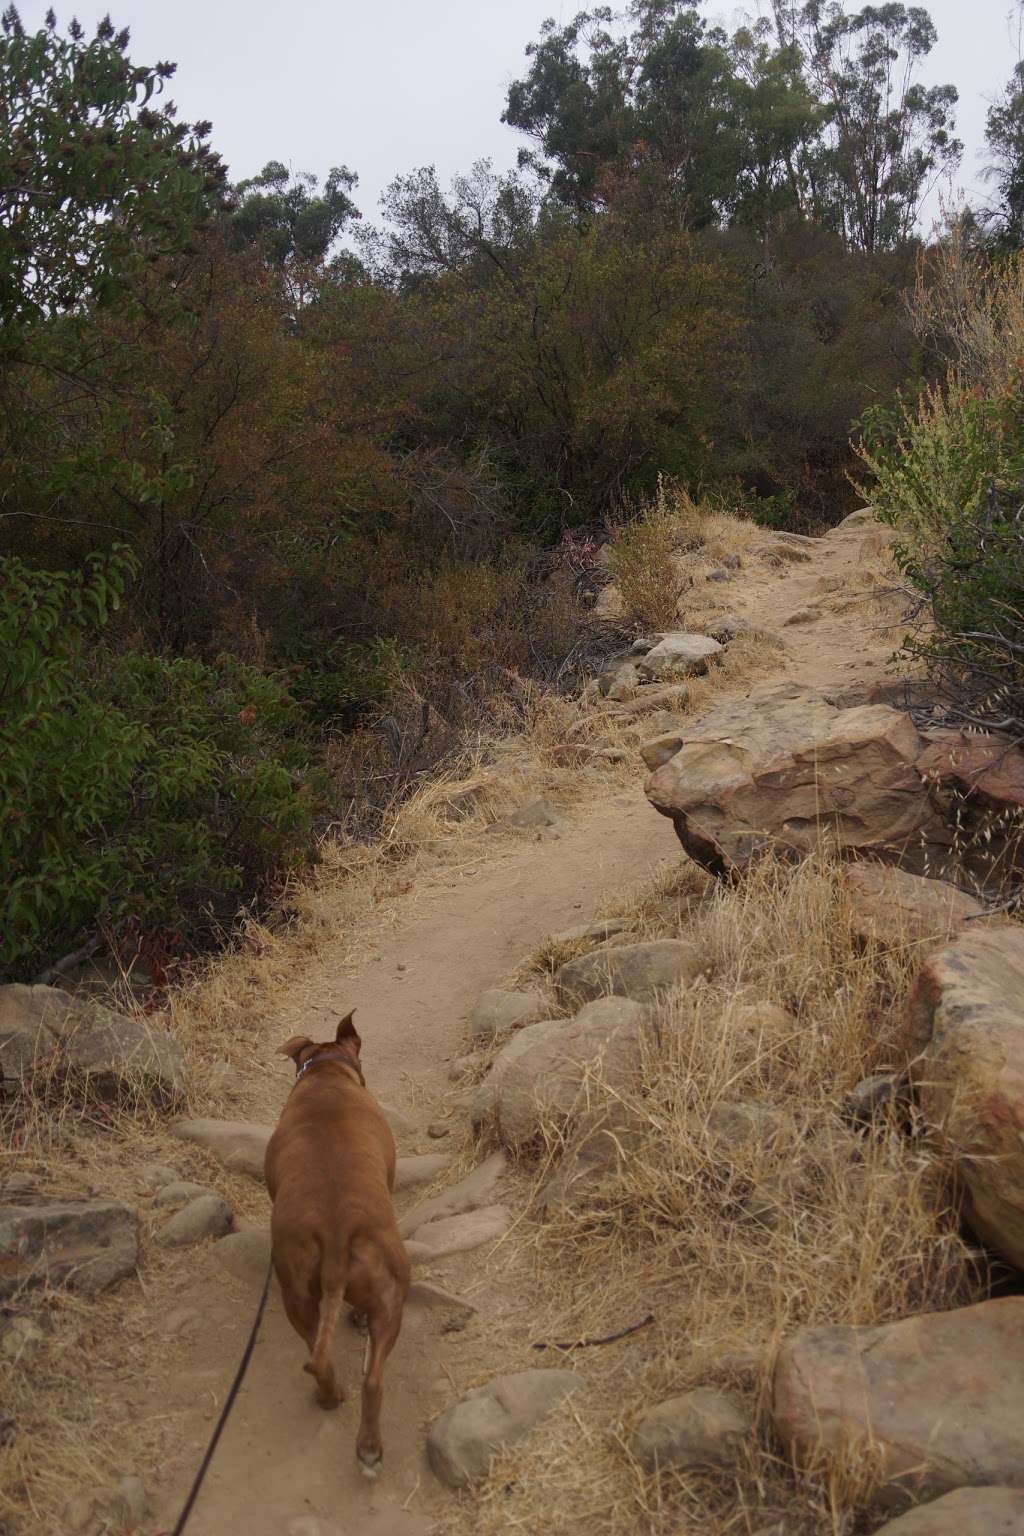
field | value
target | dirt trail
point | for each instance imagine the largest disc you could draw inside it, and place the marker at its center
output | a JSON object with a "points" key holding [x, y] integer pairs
{"points": [[284, 1468]]}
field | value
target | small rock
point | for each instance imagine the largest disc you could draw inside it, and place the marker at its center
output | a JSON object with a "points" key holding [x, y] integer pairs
{"points": [[239, 1146], [458, 1234], [678, 655], [21, 1340], [467, 1195], [87, 1245], [628, 970], [498, 1011], [720, 574], [669, 696], [207, 1216], [802, 616], [136, 1499], [539, 813], [461, 1065], [696, 1429], [870, 1096], [183, 1319], [245, 1255], [419, 1170], [437, 1130], [463, 1440], [156, 1175], [964, 1512], [180, 1192], [732, 562]]}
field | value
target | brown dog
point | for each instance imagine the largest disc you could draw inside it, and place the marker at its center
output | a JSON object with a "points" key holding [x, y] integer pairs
{"points": [[330, 1169]]}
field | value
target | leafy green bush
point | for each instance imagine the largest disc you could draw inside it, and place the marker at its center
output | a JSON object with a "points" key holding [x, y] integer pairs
{"points": [[131, 785], [950, 478]]}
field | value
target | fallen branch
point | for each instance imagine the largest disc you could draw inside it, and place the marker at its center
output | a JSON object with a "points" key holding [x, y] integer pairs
{"points": [[68, 963], [604, 1338]]}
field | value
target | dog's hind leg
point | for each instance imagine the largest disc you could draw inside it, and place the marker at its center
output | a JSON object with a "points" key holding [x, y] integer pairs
{"points": [[385, 1321], [328, 1392]]}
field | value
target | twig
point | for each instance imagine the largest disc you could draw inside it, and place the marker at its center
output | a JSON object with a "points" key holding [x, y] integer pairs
{"points": [[604, 1338], [69, 962]]}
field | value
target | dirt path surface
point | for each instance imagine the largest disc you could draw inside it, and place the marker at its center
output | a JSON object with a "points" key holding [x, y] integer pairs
{"points": [[285, 1468]]}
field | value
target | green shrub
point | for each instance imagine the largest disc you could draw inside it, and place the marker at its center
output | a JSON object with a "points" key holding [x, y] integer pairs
{"points": [[131, 785], [949, 477]]}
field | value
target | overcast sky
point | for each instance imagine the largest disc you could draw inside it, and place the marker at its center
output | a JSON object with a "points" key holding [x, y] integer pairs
{"points": [[386, 85]]}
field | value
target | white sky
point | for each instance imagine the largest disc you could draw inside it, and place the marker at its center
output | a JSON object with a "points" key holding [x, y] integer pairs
{"points": [[387, 85]]}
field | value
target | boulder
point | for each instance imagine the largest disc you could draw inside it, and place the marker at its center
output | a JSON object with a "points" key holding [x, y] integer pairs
{"points": [[933, 1396], [498, 1011], [695, 1429], [678, 655], [458, 1234], [119, 1056], [245, 1255], [537, 1078], [674, 696], [985, 771], [627, 970], [783, 769], [965, 1027], [87, 1245], [463, 1440], [727, 626], [891, 906], [234, 1143], [964, 1512], [206, 1216], [467, 1195]]}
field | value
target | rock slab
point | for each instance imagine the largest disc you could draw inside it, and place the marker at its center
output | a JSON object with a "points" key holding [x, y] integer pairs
{"points": [[87, 1245], [966, 1512], [966, 1014], [627, 970], [118, 1055], [937, 1396], [463, 1440], [498, 1011], [695, 1429]]}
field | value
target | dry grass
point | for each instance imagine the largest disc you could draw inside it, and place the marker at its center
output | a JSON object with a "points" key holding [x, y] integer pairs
{"points": [[732, 1242]]}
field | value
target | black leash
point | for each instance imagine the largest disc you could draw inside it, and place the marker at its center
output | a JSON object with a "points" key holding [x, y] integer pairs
{"points": [[229, 1403]]}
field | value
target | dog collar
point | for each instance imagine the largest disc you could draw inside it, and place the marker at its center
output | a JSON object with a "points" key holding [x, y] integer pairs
{"points": [[316, 1060]]}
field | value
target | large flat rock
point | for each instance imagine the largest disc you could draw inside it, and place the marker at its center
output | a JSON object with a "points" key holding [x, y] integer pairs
{"points": [[938, 1398], [86, 1245], [117, 1055], [784, 769]]}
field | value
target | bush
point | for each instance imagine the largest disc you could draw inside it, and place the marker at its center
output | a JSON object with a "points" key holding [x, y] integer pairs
{"points": [[949, 478], [642, 557], [131, 785]]}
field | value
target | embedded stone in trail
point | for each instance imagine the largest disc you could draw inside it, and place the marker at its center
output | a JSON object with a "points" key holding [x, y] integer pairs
{"points": [[966, 1014], [457, 1234], [245, 1255], [678, 655], [937, 1397], [782, 768], [419, 1170], [469, 1193], [965, 1512], [207, 1216], [463, 1440], [181, 1191], [498, 1011], [87, 1245], [118, 1055], [627, 970], [240, 1146]]}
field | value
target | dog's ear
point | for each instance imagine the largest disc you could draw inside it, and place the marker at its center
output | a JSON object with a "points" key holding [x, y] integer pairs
{"points": [[293, 1046], [347, 1031]]}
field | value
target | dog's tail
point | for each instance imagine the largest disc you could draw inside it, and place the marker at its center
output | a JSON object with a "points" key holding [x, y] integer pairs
{"points": [[333, 1279]]}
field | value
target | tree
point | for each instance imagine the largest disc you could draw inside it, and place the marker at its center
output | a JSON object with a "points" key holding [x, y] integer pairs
{"points": [[888, 137], [289, 217], [95, 180], [1004, 135]]}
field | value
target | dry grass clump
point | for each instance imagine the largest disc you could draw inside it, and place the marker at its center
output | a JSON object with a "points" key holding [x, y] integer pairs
{"points": [[733, 1226], [642, 557]]}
